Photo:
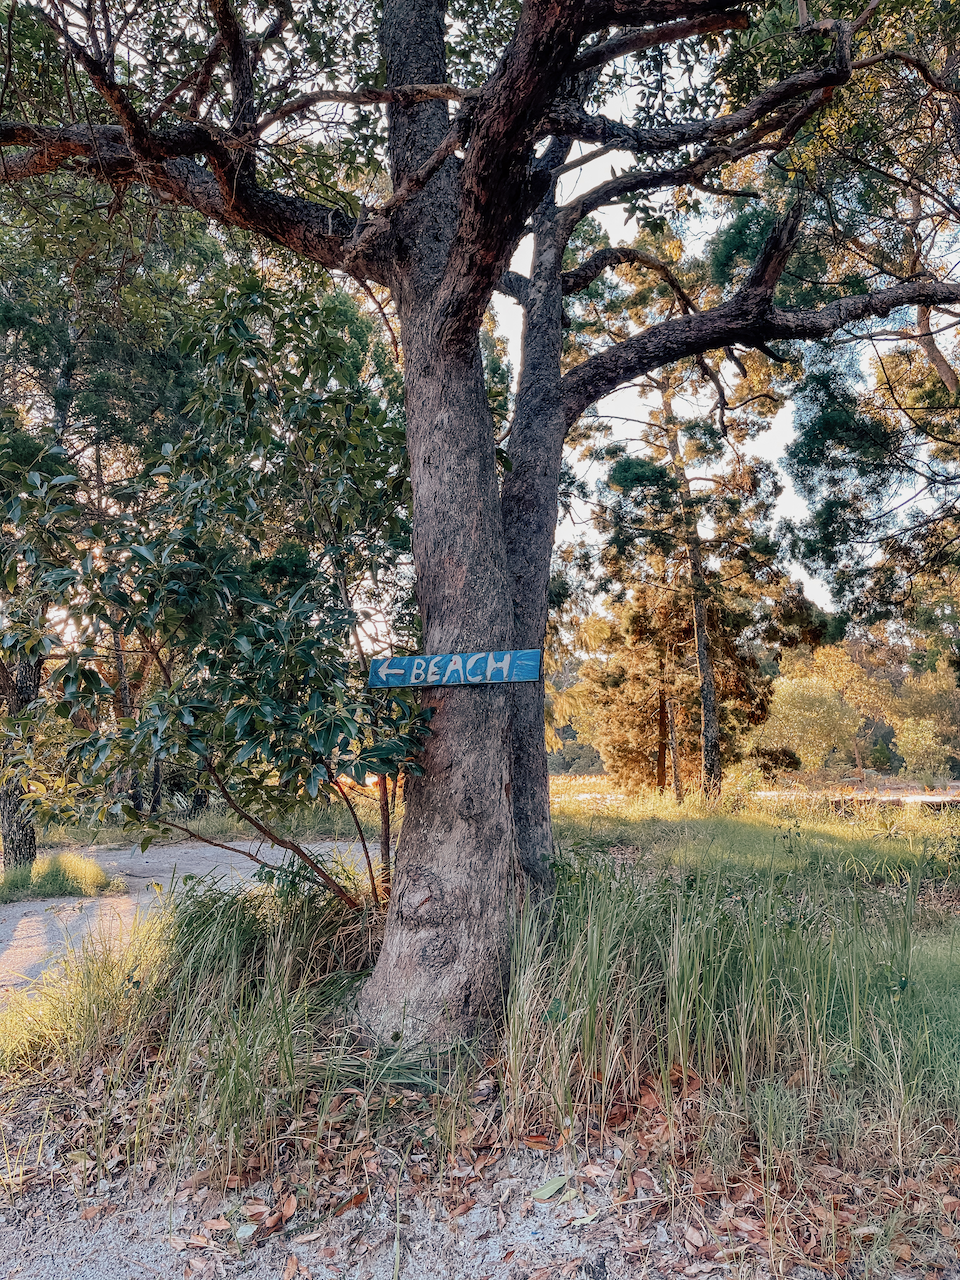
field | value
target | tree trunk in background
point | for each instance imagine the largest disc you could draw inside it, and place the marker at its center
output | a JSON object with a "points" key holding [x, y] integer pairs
{"points": [[132, 781], [712, 774], [19, 833], [674, 754], [22, 686], [662, 733]]}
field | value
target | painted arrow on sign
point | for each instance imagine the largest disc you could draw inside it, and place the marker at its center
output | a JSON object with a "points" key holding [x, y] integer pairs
{"points": [[498, 666]]}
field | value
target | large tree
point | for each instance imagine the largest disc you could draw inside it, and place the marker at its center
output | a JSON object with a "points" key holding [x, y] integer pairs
{"points": [[273, 124]]}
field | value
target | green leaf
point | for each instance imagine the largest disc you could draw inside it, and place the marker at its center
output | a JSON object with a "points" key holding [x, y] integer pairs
{"points": [[550, 1188]]}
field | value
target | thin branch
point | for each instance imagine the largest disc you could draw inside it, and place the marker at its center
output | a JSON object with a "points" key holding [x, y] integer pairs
{"points": [[274, 838], [405, 95], [638, 39], [359, 829]]}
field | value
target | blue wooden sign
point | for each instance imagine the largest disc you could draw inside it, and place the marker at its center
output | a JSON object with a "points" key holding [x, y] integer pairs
{"points": [[501, 666]]}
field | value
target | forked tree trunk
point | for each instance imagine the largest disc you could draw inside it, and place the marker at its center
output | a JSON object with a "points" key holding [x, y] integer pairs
{"points": [[458, 878]]}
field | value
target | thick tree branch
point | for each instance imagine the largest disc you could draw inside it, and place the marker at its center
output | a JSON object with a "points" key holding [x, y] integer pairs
{"points": [[750, 320], [515, 286], [500, 186], [584, 275], [103, 154], [928, 345], [243, 119], [579, 124]]}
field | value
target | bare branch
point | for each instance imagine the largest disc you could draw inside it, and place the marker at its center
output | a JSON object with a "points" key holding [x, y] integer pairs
{"points": [[583, 276], [407, 95]]}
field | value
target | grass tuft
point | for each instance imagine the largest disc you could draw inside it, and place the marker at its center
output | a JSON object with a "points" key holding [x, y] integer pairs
{"points": [[62, 875]]}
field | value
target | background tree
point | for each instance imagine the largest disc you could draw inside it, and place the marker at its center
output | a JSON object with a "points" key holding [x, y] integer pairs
{"points": [[207, 567]]}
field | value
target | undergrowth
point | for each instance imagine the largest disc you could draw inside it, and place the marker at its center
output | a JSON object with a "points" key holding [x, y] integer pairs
{"points": [[754, 1018]]}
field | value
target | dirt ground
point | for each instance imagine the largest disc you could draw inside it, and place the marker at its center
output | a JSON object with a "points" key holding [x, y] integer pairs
{"points": [[33, 933]]}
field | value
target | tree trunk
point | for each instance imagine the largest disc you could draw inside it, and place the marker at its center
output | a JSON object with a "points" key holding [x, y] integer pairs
{"points": [[447, 941], [457, 876], [530, 508], [662, 732], [22, 686], [709, 712], [16, 825], [126, 709], [674, 754]]}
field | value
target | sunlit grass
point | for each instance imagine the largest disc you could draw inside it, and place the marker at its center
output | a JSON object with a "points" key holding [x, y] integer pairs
{"points": [[62, 875], [744, 830]]}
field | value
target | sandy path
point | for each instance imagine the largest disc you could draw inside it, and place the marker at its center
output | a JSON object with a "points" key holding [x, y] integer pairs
{"points": [[34, 933]]}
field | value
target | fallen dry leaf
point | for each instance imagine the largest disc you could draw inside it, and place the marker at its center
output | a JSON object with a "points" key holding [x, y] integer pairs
{"points": [[537, 1142], [91, 1211], [289, 1207], [694, 1238], [292, 1267], [462, 1208], [353, 1203], [217, 1224]]}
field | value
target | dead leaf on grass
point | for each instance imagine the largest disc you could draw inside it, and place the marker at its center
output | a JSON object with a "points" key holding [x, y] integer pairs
{"points": [[217, 1224], [292, 1267], [462, 1208]]}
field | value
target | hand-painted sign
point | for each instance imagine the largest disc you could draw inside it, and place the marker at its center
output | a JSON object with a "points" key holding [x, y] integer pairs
{"points": [[502, 666]]}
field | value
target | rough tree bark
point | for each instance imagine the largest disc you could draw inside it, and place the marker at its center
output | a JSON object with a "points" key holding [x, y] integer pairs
{"points": [[662, 734], [19, 685]]}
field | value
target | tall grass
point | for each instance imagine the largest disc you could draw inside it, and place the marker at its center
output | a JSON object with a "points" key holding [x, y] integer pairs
{"points": [[810, 1001], [210, 1029], [744, 982]]}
